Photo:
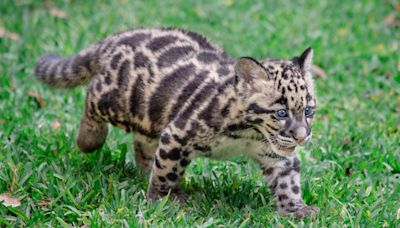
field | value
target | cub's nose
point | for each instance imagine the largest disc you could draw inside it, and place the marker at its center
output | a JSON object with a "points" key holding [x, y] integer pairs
{"points": [[300, 134]]}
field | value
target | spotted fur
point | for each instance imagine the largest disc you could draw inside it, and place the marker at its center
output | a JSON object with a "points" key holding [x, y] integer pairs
{"points": [[184, 97]]}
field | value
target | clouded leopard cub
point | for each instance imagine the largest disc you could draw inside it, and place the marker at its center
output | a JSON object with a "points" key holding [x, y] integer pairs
{"points": [[184, 97]]}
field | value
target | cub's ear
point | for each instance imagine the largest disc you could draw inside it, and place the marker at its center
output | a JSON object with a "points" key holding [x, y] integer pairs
{"points": [[304, 61], [249, 69]]}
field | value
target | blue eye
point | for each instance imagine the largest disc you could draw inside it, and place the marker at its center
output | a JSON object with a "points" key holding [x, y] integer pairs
{"points": [[309, 112], [282, 113]]}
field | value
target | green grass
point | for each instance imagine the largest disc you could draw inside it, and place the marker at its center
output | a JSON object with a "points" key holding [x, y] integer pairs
{"points": [[351, 170]]}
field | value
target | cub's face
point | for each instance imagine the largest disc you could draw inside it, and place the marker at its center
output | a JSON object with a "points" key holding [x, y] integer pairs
{"points": [[280, 100]]}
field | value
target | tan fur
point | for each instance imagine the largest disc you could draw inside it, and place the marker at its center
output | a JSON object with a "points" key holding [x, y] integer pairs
{"points": [[184, 97]]}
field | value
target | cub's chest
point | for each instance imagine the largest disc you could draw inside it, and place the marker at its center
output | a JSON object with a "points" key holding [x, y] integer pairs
{"points": [[246, 142]]}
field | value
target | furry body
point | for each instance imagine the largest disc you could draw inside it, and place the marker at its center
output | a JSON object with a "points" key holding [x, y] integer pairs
{"points": [[184, 97]]}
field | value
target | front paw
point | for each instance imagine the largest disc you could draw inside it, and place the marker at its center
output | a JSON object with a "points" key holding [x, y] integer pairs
{"points": [[307, 211], [300, 212], [174, 194], [181, 197]]}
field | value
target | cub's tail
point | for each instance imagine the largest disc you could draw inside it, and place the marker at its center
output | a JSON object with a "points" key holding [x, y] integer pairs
{"points": [[70, 72]]}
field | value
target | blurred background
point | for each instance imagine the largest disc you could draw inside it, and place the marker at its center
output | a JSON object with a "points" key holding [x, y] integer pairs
{"points": [[351, 169]]}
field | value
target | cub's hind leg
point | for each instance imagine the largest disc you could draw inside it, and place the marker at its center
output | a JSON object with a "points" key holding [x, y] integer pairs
{"points": [[145, 149], [92, 133]]}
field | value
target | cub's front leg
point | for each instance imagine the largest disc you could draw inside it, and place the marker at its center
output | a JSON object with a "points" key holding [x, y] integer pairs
{"points": [[170, 160], [284, 181]]}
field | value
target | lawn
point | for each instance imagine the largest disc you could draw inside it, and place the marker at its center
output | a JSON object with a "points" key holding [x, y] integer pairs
{"points": [[351, 170]]}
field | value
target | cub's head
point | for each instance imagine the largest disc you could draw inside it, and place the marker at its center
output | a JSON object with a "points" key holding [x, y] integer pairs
{"points": [[280, 99]]}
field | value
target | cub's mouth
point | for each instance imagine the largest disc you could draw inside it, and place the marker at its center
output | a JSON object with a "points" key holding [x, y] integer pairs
{"points": [[285, 148]]}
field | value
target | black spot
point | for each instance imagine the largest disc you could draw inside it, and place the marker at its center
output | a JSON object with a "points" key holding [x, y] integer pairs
{"points": [[107, 78], [272, 127], [162, 179], [283, 185], [163, 154], [207, 57], [295, 189], [184, 162], [165, 139], [296, 165], [115, 61], [172, 176], [174, 154], [223, 71], [201, 40], [254, 121], [123, 73], [161, 42], [226, 109], [135, 40], [158, 165], [279, 84], [268, 171], [291, 204], [287, 162], [282, 100], [137, 98], [285, 75], [182, 141], [99, 86], [173, 54], [141, 60], [282, 197], [107, 103], [256, 109], [285, 172], [202, 148], [238, 127], [302, 87]]}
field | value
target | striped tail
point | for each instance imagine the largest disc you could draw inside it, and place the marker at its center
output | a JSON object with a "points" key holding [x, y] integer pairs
{"points": [[71, 72]]}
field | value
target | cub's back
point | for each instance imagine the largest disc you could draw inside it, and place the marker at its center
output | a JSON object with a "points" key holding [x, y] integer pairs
{"points": [[148, 76]]}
